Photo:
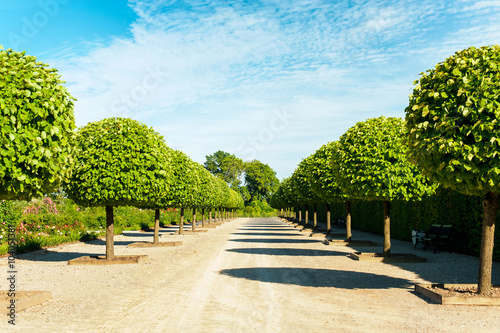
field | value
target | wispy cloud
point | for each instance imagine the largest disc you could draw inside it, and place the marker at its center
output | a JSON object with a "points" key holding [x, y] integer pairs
{"points": [[209, 74]]}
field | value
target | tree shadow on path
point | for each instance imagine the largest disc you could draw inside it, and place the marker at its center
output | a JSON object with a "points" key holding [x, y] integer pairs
{"points": [[312, 277], [276, 240], [266, 234], [287, 252]]}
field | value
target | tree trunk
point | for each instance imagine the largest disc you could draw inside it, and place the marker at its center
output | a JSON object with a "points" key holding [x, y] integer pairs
{"points": [[348, 224], [306, 217], [156, 236], [387, 228], [203, 217], [490, 206], [315, 218], [328, 222], [181, 224], [110, 232], [194, 220], [300, 214], [210, 216]]}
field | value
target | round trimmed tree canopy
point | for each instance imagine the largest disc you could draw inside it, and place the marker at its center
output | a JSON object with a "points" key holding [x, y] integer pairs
{"points": [[371, 164], [120, 162], [37, 127], [453, 121]]}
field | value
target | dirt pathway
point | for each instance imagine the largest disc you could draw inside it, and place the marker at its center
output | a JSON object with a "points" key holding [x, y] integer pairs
{"points": [[248, 275]]}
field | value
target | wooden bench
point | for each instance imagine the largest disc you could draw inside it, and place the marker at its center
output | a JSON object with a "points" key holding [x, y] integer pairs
{"points": [[437, 236]]}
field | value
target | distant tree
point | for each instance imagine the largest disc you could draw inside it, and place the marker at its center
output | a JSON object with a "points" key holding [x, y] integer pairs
{"points": [[260, 180], [37, 127], [226, 166], [454, 134]]}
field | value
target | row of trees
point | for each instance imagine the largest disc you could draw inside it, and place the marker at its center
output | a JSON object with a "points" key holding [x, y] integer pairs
{"points": [[450, 137], [112, 162]]}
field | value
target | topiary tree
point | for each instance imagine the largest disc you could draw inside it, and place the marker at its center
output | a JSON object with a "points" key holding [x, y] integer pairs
{"points": [[118, 162], [371, 164], [185, 181], [323, 182], [302, 188], [37, 127], [454, 134]]}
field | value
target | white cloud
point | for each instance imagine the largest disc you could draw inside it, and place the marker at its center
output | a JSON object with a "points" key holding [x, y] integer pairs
{"points": [[213, 76]]}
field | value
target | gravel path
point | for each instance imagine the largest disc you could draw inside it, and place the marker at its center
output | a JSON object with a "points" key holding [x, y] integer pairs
{"points": [[247, 275]]}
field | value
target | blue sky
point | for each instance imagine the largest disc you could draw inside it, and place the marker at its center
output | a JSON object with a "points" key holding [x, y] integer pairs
{"points": [[266, 80]]}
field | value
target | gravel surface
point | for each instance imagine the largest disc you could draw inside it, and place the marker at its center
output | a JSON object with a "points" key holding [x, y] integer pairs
{"points": [[247, 275]]}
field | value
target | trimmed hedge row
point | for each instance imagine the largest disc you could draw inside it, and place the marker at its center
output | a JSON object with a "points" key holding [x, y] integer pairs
{"points": [[464, 212]]}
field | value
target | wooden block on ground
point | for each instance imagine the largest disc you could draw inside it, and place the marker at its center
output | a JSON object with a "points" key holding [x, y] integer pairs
{"points": [[437, 293], [117, 260], [23, 300]]}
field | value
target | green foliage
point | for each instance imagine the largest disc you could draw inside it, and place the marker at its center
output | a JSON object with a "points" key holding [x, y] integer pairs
{"points": [[37, 124], [371, 163], [120, 162], [284, 196], [260, 180], [226, 166], [257, 208], [453, 121], [320, 175], [301, 186]]}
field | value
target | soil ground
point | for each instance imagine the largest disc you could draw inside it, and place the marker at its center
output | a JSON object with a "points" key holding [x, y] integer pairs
{"points": [[247, 275]]}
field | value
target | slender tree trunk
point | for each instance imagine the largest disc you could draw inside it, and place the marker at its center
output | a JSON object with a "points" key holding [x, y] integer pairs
{"points": [[315, 218], [328, 218], [203, 217], [306, 217], [490, 206], [181, 224], [300, 214], [348, 224], [194, 219], [110, 232], [156, 236], [210, 216], [387, 228]]}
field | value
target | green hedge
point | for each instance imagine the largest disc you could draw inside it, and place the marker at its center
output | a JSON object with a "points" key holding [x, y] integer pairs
{"points": [[464, 212]]}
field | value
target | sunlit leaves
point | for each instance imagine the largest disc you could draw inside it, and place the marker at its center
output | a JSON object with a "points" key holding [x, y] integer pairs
{"points": [[370, 163], [37, 124], [455, 141], [120, 162]]}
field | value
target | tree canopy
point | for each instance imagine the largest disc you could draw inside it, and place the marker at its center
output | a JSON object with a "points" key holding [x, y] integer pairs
{"points": [[370, 163], [37, 127], [260, 180], [453, 121], [119, 162], [226, 166], [320, 174]]}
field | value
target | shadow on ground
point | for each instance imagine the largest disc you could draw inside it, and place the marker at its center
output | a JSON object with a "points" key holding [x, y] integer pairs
{"points": [[288, 252], [54, 256], [268, 229], [310, 277], [275, 240], [266, 234]]}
